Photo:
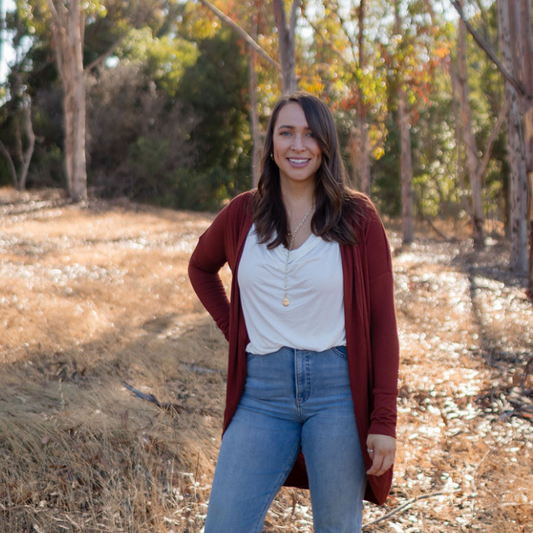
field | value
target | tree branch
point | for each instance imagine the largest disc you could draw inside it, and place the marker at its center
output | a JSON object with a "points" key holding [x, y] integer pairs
{"points": [[490, 141], [31, 145], [115, 45], [295, 5], [329, 44], [4, 150], [486, 48], [106, 54], [409, 503], [345, 30], [224, 18]]}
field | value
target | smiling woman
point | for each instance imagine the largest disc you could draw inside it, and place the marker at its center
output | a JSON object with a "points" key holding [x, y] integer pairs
{"points": [[313, 345], [296, 151]]}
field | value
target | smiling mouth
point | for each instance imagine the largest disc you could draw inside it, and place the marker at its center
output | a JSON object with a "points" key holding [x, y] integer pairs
{"points": [[298, 161]]}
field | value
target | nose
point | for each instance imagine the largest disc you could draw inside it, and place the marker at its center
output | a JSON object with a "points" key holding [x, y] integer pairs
{"points": [[297, 143]]}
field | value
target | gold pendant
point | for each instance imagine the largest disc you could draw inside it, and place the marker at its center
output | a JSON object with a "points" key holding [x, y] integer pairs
{"points": [[286, 301]]}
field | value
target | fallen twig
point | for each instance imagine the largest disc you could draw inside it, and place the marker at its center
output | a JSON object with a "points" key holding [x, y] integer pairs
{"points": [[151, 398], [436, 230], [169, 407], [409, 503]]}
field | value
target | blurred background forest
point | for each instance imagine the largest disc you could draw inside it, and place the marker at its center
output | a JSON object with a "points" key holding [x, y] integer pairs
{"points": [[164, 101]]}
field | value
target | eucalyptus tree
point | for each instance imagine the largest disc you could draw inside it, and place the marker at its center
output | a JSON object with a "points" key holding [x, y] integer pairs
{"points": [[516, 66], [66, 22]]}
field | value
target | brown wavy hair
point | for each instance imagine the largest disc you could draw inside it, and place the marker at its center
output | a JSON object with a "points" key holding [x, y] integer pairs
{"points": [[338, 210]]}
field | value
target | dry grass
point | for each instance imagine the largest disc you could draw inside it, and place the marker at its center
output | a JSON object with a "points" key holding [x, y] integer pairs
{"points": [[96, 295]]}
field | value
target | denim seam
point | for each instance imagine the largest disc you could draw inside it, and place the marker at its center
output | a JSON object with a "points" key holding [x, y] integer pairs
{"points": [[272, 495], [338, 353], [308, 375], [297, 377]]}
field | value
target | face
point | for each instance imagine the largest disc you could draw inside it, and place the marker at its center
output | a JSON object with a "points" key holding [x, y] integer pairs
{"points": [[296, 151]]}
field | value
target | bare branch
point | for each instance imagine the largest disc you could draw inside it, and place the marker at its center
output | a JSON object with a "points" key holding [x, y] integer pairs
{"points": [[224, 18], [28, 153], [329, 44], [58, 18], [295, 6], [458, 141], [409, 503], [345, 30], [490, 141], [114, 46], [106, 54], [7, 155], [486, 48]]}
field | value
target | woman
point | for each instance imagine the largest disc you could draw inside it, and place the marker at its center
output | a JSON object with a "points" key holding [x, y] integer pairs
{"points": [[313, 346]]}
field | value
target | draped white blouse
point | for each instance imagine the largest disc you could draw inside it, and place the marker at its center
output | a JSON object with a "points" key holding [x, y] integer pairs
{"points": [[314, 319]]}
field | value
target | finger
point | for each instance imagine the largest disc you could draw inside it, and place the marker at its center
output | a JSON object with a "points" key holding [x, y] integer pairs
{"points": [[377, 462], [380, 467]]}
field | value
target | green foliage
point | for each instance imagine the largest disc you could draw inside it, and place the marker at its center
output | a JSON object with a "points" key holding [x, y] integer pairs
{"points": [[164, 58], [215, 90], [138, 135], [435, 182], [386, 186]]}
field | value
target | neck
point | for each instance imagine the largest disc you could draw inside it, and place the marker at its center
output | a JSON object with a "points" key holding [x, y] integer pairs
{"points": [[297, 196]]}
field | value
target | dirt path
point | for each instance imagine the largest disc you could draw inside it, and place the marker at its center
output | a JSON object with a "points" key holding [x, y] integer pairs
{"points": [[98, 296]]}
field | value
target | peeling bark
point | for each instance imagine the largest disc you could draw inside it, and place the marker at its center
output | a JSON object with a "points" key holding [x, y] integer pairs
{"points": [[516, 148], [254, 118], [68, 29], [406, 169], [286, 44], [527, 65], [472, 162]]}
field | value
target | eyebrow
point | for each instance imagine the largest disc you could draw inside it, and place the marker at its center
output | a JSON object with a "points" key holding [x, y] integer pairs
{"points": [[291, 127]]}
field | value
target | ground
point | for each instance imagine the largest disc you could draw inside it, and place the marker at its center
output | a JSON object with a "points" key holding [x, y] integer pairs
{"points": [[99, 322]]}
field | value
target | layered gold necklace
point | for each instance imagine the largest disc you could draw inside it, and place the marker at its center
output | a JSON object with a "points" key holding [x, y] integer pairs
{"points": [[292, 237]]}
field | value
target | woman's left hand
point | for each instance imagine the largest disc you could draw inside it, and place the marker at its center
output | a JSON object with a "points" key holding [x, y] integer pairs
{"points": [[382, 450]]}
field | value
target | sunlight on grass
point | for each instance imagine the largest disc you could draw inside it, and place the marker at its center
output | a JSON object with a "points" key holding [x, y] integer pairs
{"points": [[96, 297]]}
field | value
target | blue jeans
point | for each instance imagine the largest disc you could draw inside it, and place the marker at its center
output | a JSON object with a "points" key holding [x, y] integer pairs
{"points": [[293, 399]]}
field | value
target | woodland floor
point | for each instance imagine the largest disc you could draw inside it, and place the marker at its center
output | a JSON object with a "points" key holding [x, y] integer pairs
{"points": [[96, 297]]}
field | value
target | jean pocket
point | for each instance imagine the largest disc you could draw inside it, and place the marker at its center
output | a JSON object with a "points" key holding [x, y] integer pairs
{"points": [[341, 351], [250, 356]]}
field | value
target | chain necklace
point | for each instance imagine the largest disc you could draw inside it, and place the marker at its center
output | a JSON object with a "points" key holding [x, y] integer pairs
{"points": [[292, 236]]}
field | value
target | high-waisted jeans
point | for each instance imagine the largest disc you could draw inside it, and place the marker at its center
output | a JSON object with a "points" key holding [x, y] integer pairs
{"points": [[293, 399]]}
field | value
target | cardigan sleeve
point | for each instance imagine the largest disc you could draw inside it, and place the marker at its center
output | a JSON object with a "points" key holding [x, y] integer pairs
{"points": [[383, 329], [207, 259]]}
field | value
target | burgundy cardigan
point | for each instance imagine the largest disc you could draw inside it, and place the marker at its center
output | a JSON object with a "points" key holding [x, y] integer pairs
{"points": [[371, 333]]}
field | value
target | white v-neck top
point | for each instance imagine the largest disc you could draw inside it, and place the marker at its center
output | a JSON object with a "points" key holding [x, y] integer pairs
{"points": [[314, 319]]}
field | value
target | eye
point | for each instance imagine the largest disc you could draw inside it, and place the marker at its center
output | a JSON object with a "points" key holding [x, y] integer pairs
{"points": [[285, 133], [310, 135]]}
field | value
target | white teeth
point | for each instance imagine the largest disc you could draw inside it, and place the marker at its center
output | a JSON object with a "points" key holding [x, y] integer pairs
{"points": [[298, 160]]}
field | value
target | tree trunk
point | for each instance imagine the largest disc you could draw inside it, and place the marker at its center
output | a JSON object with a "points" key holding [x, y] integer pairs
{"points": [[406, 169], [359, 154], [465, 201], [472, 162], [68, 30], [406, 166], [12, 167], [516, 148], [362, 148], [254, 118], [28, 153], [527, 70], [24, 156], [286, 45]]}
